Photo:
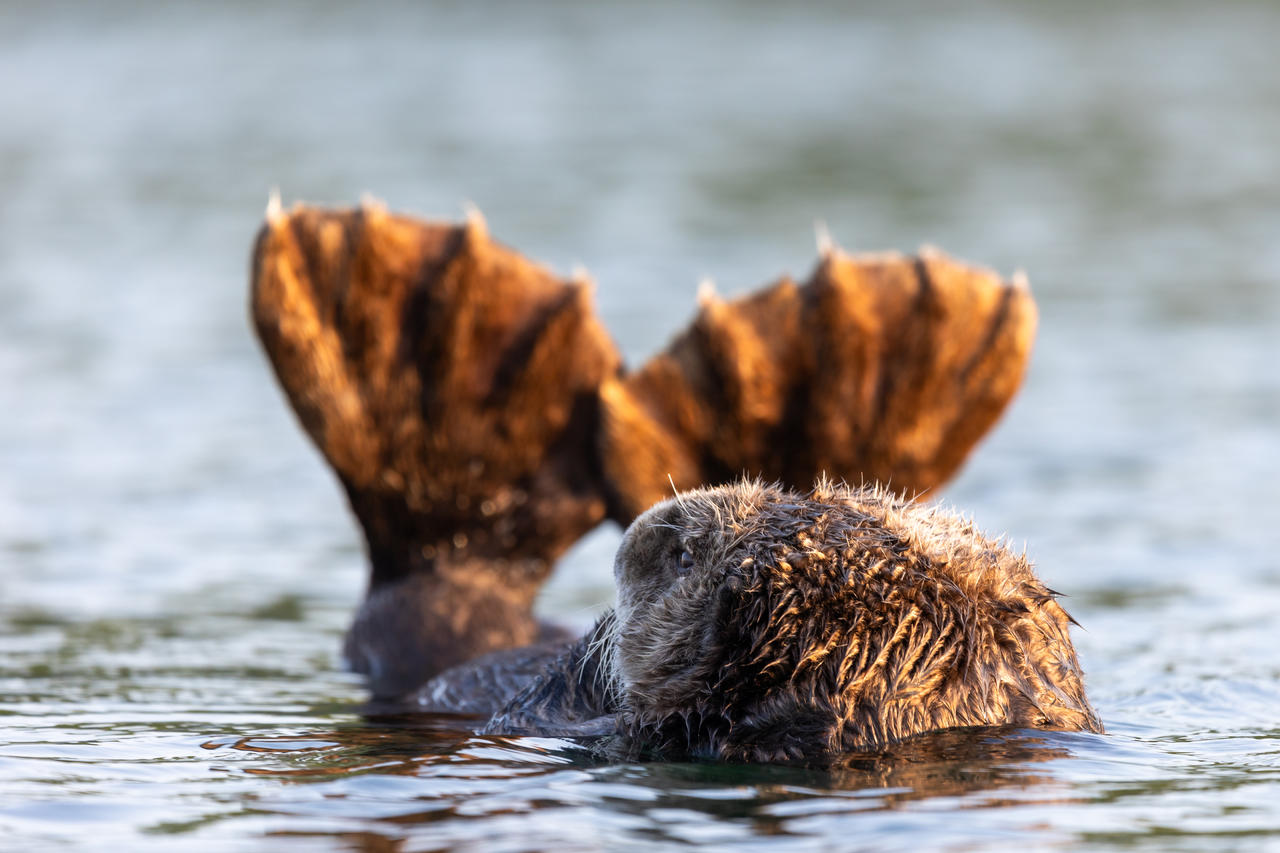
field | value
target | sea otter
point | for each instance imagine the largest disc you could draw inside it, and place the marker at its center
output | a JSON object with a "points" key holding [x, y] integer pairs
{"points": [[480, 418], [759, 624]]}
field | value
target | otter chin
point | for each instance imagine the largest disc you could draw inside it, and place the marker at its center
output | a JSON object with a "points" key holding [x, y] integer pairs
{"points": [[760, 624]]}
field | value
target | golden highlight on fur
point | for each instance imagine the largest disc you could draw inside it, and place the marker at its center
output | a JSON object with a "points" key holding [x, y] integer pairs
{"points": [[881, 367], [837, 620], [480, 419], [759, 624]]}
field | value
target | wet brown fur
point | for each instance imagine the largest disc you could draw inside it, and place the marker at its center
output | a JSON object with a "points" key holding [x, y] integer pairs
{"points": [[813, 624], [479, 419]]}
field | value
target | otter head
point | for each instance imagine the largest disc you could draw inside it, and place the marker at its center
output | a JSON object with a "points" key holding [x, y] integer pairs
{"points": [[675, 565], [697, 662], [759, 624]]}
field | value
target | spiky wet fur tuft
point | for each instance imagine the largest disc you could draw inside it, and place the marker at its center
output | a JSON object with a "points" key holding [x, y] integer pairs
{"points": [[809, 624]]}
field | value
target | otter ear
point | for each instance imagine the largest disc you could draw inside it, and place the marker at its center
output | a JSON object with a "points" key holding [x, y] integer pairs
{"points": [[451, 383], [879, 367]]}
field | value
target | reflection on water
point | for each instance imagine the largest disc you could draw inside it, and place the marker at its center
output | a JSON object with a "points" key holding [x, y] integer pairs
{"points": [[457, 778], [178, 565]]}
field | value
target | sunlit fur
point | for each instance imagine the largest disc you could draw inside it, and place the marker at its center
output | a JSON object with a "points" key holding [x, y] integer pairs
{"points": [[841, 619], [480, 418]]}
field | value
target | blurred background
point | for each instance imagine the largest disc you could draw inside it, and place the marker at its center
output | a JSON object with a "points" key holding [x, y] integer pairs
{"points": [[177, 565]]}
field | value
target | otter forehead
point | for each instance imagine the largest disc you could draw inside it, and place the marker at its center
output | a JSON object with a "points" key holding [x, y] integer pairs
{"points": [[704, 521], [659, 523]]}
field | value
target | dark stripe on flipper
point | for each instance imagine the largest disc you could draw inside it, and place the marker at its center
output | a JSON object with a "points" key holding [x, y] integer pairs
{"points": [[998, 322]]}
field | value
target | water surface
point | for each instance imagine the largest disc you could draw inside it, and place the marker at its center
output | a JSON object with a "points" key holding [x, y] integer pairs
{"points": [[178, 565]]}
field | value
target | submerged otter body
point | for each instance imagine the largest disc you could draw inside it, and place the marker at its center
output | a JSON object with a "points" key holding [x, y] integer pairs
{"points": [[758, 624]]}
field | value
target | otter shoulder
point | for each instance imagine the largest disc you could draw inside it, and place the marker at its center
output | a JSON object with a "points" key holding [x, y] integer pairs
{"points": [[483, 686], [573, 696]]}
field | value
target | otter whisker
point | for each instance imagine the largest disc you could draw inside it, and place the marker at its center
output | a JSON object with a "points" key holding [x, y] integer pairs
{"points": [[674, 491]]}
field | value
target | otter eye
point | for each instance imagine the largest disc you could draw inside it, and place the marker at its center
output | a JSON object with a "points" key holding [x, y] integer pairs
{"points": [[685, 563]]}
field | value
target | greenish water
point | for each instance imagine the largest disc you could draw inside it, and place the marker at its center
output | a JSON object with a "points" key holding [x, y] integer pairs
{"points": [[177, 566]]}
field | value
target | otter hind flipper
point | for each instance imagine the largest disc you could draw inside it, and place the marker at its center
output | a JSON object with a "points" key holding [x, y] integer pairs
{"points": [[880, 368], [476, 412], [451, 385]]}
